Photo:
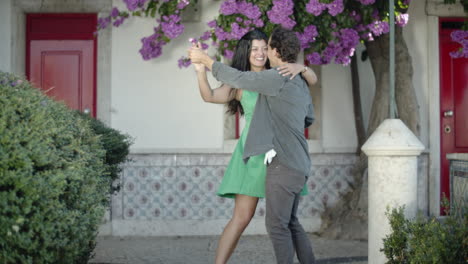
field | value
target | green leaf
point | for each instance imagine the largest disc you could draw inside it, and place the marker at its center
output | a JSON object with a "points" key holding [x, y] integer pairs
{"points": [[53, 177]]}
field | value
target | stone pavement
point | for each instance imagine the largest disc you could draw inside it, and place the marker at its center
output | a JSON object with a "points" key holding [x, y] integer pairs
{"points": [[252, 249]]}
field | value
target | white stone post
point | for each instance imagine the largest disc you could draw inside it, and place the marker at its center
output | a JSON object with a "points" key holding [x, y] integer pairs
{"points": [[392, 150]]}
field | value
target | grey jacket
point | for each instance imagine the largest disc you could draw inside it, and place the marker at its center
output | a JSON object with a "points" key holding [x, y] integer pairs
{"points": [[284, 108]]}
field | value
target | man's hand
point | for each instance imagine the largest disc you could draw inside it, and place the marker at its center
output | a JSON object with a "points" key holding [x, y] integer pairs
{"points": [[200, 68], [197, 55]]}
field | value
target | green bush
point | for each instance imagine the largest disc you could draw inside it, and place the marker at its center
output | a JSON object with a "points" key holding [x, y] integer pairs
{"points": [[116, 145], [426, 240], [52, 190]]}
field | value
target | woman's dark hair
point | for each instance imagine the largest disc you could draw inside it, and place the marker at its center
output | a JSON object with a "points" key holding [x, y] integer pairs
{"points": [[286, 43], [241, 62]]}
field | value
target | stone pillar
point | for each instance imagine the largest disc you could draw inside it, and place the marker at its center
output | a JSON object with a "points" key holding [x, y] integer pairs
{"points": [[392, 150]]}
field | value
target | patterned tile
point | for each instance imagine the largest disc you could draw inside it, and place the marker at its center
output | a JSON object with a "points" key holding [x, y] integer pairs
{"points": [[177, 187]]}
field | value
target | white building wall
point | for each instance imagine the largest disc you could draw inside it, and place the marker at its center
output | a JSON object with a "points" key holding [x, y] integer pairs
{"points": [[339, 132], [415, 34], [155, 101], [367, 84], [5, 33], [159, 104]]}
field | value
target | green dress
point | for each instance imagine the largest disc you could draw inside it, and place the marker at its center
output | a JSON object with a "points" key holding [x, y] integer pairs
{"points": [[245, 178]]}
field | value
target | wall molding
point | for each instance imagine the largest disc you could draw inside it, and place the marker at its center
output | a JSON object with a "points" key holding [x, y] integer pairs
{"points": [[438, 8]]}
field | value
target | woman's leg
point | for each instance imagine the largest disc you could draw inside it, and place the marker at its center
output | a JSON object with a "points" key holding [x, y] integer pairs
{"points": [[244, 210]]}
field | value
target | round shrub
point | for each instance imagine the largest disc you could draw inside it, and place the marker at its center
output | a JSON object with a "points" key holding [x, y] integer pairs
{"points": [[116, 145], [426, 240], [53, 188]]}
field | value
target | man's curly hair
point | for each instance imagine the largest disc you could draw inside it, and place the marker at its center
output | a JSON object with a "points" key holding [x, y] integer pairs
{"points": [[286, 43]]}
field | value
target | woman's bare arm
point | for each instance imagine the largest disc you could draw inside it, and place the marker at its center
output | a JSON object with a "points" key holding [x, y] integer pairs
{"points": [[294, 69], [220, 95]]}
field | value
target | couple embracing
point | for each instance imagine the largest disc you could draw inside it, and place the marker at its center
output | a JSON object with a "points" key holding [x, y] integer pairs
{"points": [[271, 159]]}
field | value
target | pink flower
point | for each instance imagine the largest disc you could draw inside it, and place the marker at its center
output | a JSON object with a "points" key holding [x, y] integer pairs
{"points": [[460, 36], [315, 7], [103, 22], [314, 58], [184, 62], [212, 23], [115, 12], [310, 32], [171, 26], [182, 4], [280, 12], [119, 21], [132, 5], [335, 7], [228, 54], [379, 27], [152, 46], [402, 19]]}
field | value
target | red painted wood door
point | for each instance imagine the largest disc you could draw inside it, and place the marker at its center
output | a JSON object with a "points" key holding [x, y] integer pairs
{"points": [[64, 70], [453, 101], [61, 58]]}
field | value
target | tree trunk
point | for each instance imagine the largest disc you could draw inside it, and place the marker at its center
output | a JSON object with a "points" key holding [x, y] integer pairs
{"points": [[348, 218], [358, 117], [405, 95], [350, 209]]}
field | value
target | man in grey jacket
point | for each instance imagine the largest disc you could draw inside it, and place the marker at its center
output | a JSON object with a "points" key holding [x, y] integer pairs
{"points": [[283, 109]]}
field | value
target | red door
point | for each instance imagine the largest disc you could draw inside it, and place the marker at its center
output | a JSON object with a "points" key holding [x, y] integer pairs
{"points": [[61, 58], [453, 101]]}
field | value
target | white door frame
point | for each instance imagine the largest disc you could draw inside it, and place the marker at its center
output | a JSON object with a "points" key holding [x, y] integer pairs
{"points": [[19, 9], [434, 10]]}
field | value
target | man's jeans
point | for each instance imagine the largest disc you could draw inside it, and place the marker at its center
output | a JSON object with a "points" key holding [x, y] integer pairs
{"points": [[283, 186]]}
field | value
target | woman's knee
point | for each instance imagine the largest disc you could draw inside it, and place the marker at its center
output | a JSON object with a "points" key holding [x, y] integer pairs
{"points": [[244, 209], [243, 218]]}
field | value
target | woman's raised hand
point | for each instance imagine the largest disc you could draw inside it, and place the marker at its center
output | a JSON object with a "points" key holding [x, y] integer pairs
{"points": [[199, 67], [196, 54], [292, 69]]}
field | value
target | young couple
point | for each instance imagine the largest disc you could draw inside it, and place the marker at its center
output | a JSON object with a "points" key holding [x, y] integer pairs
{"points": [[271, 159]]}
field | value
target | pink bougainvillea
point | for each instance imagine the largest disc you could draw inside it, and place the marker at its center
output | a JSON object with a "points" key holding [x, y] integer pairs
{"points": [[328, 32]]}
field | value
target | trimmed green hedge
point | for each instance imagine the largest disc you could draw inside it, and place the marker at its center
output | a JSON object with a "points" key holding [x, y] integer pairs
{"points": [[426, 240], [116, 145], [53, 183]]}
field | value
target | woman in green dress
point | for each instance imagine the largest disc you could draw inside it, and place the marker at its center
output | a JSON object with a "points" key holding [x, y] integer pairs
{"points": [[244, 182]]}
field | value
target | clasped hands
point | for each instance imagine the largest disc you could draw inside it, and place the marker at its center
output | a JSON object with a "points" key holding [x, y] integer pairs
{"points": [[198, 57]]}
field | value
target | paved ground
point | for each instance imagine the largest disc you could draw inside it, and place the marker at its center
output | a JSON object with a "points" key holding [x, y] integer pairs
{"points": [[201, 250]]}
